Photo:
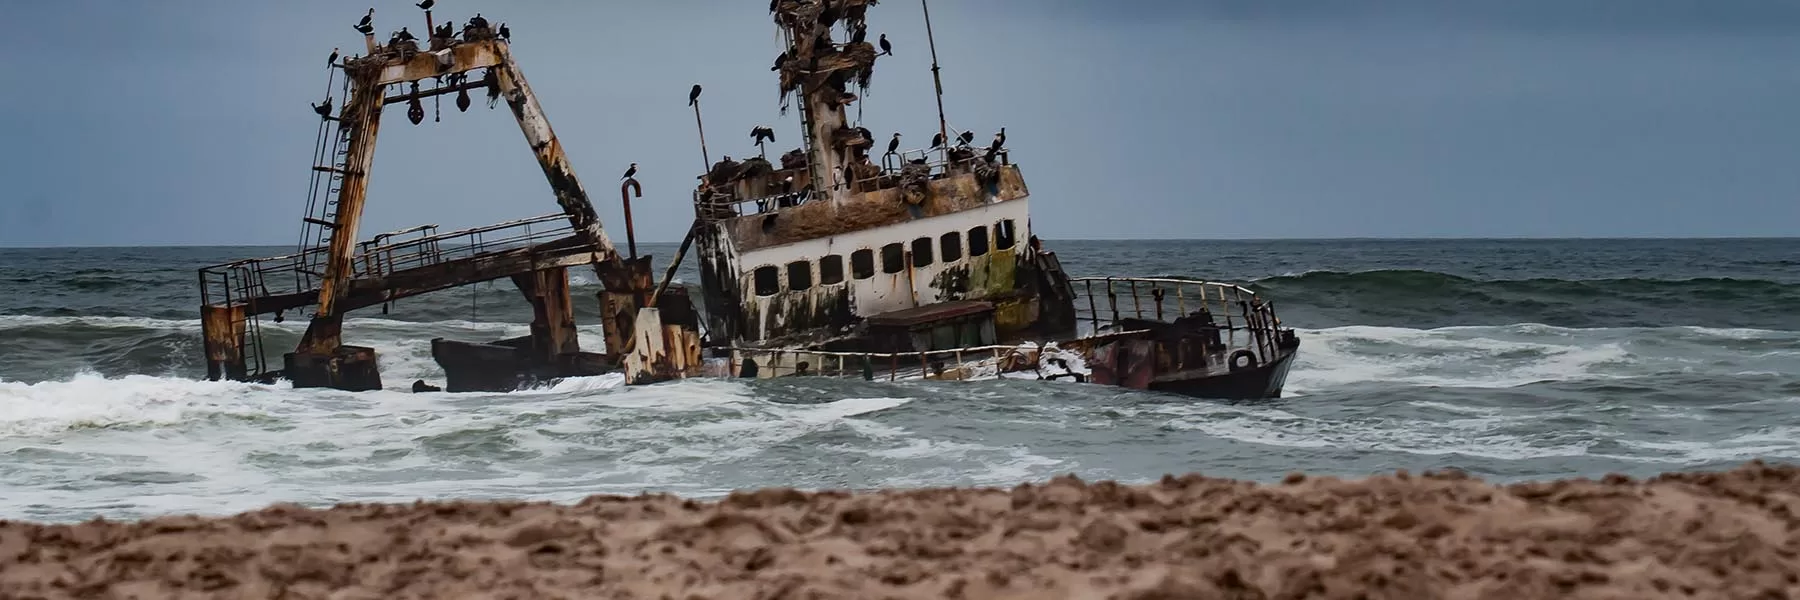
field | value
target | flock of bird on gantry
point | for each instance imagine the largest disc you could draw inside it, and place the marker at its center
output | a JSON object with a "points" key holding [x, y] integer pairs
{"points": [[759, 135]]}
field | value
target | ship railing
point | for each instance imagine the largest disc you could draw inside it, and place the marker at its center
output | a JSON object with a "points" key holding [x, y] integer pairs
{"points": [[951, 363], [1242, 319], [723, 205], [242, 281], [937, 160], [380, 257]]}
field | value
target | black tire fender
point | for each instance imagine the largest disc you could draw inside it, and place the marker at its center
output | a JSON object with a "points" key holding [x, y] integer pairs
{"points": [[1249, 361]]}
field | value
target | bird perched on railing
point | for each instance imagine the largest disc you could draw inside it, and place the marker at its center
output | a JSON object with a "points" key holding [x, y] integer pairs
{"points": [[324, 110], [894, 144], [967, 138]]}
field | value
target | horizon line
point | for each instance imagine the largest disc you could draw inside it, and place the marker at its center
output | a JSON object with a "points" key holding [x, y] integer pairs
{"points": [[1103, 239]]}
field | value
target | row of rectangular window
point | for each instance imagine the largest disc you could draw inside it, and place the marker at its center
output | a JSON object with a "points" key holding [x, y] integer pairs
{"points": [[893, 259]]}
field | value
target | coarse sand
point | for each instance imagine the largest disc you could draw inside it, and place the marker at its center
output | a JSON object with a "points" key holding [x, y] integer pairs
{"points": [[1730, 534]]}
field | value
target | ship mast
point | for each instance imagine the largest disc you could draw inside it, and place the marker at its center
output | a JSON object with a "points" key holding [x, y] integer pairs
{"points": [[820, 71], [943, 126]]}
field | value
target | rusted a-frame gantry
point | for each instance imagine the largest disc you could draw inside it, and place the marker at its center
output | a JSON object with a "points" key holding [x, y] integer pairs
{"points": [[340, 274]]}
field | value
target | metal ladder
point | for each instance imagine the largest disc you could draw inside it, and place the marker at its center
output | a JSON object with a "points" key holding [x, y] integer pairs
{"points": [[320, 223]]}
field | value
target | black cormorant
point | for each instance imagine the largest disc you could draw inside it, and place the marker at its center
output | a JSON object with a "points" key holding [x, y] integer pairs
{"points": [[334, 57], [505, 32], [886, 48], [859, 35], [894, 144], [324, 110], [780, 60], [967, 137], [478, 22], [427, 4], [404, 35], [937, 140], [761, 133], [368, 20], [694, 95], [629, 172]]}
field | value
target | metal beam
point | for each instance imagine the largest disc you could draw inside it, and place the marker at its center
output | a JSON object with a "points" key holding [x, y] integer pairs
{"points": [[466, 56], [362, 118]]}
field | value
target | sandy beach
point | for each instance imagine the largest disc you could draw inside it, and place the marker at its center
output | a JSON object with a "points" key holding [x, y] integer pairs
{"points": [[1728, 534]]}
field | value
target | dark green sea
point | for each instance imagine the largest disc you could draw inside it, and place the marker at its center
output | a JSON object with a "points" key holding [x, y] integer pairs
{"points": [[1508, 359]]}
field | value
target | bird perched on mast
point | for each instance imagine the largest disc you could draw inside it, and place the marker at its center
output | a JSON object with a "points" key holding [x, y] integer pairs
{"points": [[333, 59], [367, 24], [427, 4], [761, 134], [631, 171], [694, 95]]}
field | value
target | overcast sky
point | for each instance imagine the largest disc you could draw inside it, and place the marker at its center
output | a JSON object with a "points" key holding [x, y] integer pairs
{"points": [[129, 122]]}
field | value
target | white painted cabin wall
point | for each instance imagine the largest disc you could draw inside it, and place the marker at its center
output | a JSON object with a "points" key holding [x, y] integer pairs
{"points": [[884, 292]]}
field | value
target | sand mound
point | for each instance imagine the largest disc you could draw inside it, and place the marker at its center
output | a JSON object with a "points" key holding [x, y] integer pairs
{"points": [[1712, 535]]}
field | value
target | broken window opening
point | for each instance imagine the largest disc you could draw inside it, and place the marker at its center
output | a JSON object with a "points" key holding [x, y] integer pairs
{"points": [[921, 249], [893, 258], [768, 281], [799, 276], [862, 264], [831, 270], [978, 241], [1004, 235], [951, 246]]}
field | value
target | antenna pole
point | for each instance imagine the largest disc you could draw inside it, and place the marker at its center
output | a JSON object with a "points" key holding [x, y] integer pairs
{"points": [[702, 128], [943, 127]]}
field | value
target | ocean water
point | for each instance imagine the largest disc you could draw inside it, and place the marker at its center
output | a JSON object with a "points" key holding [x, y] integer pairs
{"points": [[1508, 359]]}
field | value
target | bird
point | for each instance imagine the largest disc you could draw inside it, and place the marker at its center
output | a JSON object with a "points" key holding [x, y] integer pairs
{"points": [[761, 133], [937, 140], [427, 4], [773, 5], [334, 57], [478, 22], [1001, 136], [367, 20], [629, 172], [694, 95], [967, 137], [505, 32], [404, 35], [859, 35], [780, 60], [324, 110], [886, 48], [894, 144], [999, 141]]}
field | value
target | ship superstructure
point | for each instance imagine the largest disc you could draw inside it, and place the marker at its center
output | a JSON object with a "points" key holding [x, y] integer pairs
{"points": [[803, 252]]}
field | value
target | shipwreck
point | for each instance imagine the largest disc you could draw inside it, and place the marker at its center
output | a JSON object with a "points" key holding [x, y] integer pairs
{"points": [[845, 257]]}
